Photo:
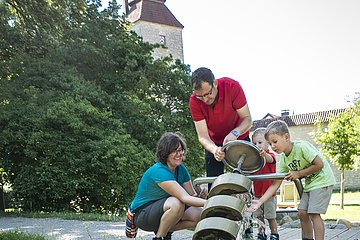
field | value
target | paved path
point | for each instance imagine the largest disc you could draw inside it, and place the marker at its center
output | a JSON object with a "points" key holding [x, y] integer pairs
{"points": [[59, 229]]}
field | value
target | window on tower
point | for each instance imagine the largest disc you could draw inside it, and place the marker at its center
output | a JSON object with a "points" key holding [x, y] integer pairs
{"points": [[162, 40]]}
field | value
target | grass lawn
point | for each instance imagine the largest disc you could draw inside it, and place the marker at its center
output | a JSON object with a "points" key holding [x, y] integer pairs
{"points": [[351, 209], [13, 235]]}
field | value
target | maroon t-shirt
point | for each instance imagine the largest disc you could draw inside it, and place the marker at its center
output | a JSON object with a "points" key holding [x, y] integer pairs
{"points": [[223, 118], [260, 187]]}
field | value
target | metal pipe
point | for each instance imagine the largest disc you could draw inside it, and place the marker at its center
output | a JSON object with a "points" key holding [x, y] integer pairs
{"points": [[271, 176]]}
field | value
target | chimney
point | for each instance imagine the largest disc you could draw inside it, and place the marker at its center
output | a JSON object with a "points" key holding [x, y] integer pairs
{"points": [[285, 112]]}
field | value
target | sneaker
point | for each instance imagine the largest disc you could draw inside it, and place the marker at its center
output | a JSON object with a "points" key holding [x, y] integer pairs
{"points": [[274, 237], [261, 236], [249, 230], [249, 233], [168, 236]]}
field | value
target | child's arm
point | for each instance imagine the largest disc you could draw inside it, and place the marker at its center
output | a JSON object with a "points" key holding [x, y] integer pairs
{"points": [[268, 157], [315, 166], [255, 204]]}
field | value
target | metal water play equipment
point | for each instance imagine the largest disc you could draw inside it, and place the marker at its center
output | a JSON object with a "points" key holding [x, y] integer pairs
{"points": [[223, 216]]}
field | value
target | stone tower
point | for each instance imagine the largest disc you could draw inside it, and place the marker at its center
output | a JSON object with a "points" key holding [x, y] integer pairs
{"points": [[154, 22]]}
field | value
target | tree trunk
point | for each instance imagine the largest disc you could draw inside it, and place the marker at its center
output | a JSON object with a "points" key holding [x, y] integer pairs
{"points": [[2, 199], [342, 185]]}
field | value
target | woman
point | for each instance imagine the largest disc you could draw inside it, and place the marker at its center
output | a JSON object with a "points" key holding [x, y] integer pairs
{"points": [[166, 200]]}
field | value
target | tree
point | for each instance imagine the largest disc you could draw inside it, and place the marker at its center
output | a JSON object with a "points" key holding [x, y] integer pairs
{"points": [[341, 142], [82, 105]]}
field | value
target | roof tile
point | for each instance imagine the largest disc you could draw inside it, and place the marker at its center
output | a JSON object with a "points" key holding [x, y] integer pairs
{"points": [[299, 119], [153, 11]]}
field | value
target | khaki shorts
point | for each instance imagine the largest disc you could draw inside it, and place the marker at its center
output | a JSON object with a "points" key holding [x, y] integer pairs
{"points": [[316, 201], [268, 209]]}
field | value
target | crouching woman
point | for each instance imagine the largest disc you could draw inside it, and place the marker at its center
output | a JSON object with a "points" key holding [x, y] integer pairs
{"points": [[165, 200]]}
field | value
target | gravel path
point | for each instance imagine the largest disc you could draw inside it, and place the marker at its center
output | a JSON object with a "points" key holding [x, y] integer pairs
{"points": [[59, 229]]}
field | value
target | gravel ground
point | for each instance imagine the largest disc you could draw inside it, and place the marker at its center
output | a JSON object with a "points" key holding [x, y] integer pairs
{"points": [[59, 229]]}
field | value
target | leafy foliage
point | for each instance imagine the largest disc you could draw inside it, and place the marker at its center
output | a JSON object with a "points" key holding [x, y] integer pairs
{"points": [[82, 105], [341, 140]]}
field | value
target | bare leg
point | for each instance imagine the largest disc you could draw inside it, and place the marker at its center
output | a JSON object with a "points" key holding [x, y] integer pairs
{"points": [[260, 228], [189, 220], [273, 225], [319, 228], [306, 224], [173, 212]]}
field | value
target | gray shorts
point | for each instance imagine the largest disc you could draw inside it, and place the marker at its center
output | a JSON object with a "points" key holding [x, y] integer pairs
{"points": [[316, 201], [268, 209], [148, 218]]}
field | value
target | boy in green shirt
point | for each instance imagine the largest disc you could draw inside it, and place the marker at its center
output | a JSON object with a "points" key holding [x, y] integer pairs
{"points": [[300, 159]]}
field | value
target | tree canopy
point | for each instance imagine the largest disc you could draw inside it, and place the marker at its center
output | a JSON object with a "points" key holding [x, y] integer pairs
{"points": [[341, 142], [82, 105]]}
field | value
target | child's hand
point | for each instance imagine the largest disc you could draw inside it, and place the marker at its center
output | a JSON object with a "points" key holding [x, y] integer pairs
{"points": [[255, 205], [262, 152], [292, 175]]}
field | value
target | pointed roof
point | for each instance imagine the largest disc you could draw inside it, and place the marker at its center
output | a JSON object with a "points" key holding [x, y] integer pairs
{"points": [[299, 119], [153, 11]]}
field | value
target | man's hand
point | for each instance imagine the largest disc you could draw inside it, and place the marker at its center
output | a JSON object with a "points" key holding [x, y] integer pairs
{"points": [[218, 154], [230, 137]]}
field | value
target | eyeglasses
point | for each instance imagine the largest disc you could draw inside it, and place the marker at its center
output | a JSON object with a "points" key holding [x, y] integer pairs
{"points": [[179, 151], [205, 95]]}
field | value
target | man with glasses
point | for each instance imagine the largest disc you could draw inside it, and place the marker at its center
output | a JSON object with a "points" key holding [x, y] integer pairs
{"points": [[221, 114]]}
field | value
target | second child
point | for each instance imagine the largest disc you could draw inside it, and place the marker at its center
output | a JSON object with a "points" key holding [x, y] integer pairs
{"points": [[300, 159], [268, 209]]}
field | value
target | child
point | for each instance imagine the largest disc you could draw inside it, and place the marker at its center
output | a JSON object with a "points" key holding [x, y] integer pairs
{"points": [[268, 209], [301, 159]]}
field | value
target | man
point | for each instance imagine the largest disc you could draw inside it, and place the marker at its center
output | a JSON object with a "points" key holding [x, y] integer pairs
{"points": [[220, 113]]}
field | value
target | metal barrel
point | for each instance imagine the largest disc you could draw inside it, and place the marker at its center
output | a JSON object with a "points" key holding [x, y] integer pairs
{"points": [[271, 176]]}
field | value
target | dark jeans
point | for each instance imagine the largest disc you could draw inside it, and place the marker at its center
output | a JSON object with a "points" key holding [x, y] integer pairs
{"points": [[213, 167]]}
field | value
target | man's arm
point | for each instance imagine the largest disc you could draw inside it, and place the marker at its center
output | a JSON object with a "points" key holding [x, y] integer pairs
{"points": [[245, 123], [206, 142]]}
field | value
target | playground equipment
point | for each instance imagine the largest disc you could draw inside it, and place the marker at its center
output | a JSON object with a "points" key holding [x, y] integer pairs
{"points": [[223, 216]]}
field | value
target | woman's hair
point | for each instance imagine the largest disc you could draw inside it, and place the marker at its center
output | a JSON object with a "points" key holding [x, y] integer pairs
{"points": [[169, 143], [278, 127]]}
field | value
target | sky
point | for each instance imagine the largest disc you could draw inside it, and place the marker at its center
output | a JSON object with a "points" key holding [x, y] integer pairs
{"points": [[296, 55]]}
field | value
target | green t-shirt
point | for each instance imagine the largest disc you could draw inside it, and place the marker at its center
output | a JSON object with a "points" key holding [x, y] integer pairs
{"points": [[149, 189], [301, 157]]}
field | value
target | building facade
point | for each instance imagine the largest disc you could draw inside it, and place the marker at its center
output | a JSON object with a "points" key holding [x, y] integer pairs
{"points": [[303, 127], [155, 23]]}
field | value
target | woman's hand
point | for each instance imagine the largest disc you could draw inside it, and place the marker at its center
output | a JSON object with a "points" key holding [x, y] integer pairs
{"points": [[203, 193]]}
